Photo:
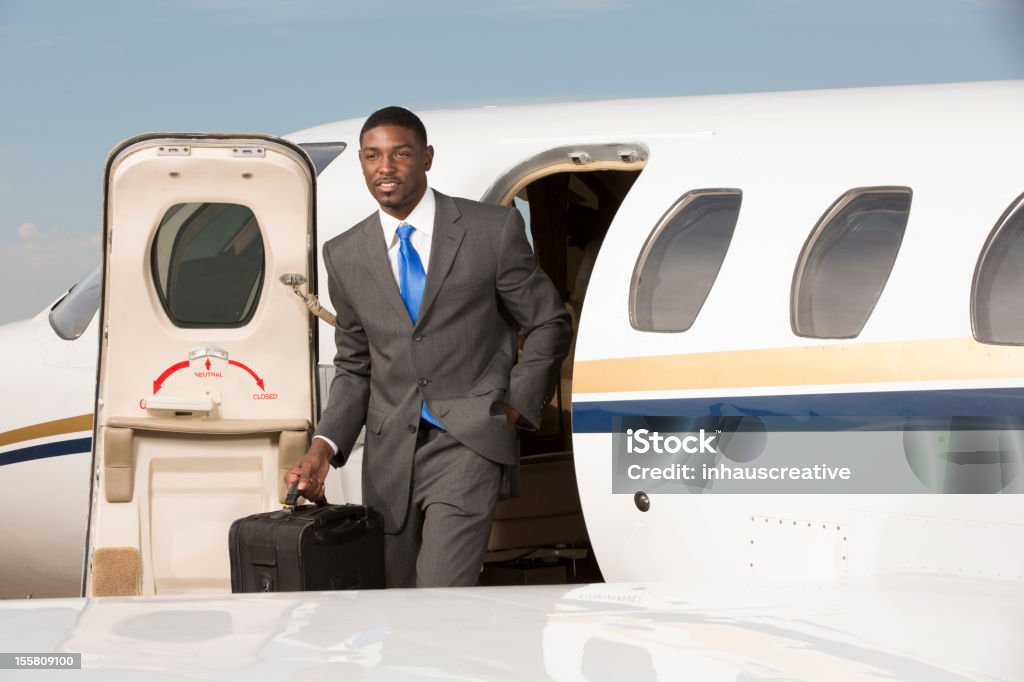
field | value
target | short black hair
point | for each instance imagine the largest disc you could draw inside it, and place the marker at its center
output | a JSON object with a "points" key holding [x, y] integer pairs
{"points": [[395, 116]]}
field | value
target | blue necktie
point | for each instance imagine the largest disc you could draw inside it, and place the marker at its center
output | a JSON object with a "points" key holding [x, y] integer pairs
{"points": [[411, 279]]}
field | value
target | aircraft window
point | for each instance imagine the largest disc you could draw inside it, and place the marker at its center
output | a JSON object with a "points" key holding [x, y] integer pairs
{"points": [[71, 315], [997, 314], [323, 153], [846, 262], [208, 263], [681, 259]]}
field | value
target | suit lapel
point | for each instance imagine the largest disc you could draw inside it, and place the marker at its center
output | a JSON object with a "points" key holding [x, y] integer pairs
{"points": [[448, 234], [376, 258]]}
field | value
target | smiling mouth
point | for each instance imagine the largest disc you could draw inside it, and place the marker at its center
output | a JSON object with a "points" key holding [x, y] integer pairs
{"points": [[387, 185]]}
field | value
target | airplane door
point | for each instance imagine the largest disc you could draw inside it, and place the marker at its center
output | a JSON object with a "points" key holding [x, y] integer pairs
{"points": [[206, 385]]}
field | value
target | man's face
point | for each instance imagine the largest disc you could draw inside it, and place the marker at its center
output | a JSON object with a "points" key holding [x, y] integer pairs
{"points": [[395, 166]]}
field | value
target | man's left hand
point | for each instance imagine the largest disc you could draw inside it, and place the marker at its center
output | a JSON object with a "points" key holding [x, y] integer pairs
{"points": [[511, 415]]}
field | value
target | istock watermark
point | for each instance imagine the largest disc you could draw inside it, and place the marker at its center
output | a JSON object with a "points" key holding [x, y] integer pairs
{"points": [[818, 454]]}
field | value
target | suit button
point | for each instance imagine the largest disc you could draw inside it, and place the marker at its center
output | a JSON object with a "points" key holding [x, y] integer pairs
{"points": [[412, 429], [423, 382], [417, 338]]}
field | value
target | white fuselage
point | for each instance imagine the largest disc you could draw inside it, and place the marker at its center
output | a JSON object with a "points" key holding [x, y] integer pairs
{"points": [[790, 156]]}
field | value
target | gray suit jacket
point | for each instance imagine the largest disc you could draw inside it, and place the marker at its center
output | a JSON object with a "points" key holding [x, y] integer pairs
{"points": [[483, 284]]}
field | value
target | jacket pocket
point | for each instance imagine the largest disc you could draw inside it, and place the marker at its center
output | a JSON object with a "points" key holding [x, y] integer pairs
{"points": [[489, 383], [463, 290], [375, 420]]}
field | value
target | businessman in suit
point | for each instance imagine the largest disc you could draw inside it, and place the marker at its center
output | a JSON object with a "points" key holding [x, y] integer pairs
{"points": [[430, 292]]}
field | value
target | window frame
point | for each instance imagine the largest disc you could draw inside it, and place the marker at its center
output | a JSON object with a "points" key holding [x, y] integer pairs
{"points": [[816, 233], [163, 296], [71, 297], [677, 207], [1016, 207]]}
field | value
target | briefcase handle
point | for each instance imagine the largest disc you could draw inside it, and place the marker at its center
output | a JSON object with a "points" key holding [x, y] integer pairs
{"points": [[340, 523], [290, 502]]}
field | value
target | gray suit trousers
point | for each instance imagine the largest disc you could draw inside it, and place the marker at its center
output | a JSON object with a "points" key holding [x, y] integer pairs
{"points": [[448, 522]]}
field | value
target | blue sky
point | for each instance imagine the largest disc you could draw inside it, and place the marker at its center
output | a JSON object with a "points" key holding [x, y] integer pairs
{"points": [[79, 77]]}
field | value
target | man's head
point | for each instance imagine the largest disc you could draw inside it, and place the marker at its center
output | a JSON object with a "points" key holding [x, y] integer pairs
{"points": [[395, 158], [395, 116]]}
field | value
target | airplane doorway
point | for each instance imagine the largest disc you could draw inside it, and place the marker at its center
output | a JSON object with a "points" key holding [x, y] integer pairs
{"points": [[568, 199]]}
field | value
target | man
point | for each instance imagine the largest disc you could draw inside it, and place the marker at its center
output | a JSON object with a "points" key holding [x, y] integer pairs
{"points": [[429, 292]]}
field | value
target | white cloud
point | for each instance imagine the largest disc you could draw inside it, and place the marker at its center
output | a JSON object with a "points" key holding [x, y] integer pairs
{"points": [[53, 41], [43, 247]]}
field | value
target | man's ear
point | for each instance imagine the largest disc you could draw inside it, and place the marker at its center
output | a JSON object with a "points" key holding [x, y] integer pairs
{"points": [[428, 157]]}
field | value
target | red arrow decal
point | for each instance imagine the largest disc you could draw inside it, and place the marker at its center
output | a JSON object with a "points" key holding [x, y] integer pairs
{"points": [[207, 364], [168, 372], [259, 382]]}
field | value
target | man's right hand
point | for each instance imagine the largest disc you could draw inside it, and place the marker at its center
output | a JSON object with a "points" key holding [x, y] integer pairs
{"points": [[311, 470]]}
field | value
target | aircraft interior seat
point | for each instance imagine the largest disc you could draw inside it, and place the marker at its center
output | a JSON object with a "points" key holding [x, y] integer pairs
{"points": [[548, 512]]}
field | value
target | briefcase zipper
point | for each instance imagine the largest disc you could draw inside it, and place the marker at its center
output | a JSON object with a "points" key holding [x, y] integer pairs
{"points": [[298, 554], [236, 574]]}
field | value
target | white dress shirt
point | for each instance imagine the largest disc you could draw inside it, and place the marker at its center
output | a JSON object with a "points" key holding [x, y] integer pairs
{"points": [[422, 218]]}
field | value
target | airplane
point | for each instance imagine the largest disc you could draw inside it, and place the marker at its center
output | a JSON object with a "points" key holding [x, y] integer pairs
{"points": [[820, 286], [893, 630]]}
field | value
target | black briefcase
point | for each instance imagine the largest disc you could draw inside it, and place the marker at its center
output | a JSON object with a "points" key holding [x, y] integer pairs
{"points": [[307, 547]]}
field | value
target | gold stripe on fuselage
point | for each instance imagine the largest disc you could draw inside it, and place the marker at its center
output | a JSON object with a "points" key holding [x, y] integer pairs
{"points": [[55, 428], [845, 363]]}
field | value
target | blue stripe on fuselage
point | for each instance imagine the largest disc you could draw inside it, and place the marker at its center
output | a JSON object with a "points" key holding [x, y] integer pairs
{"points": [[596, 416], [61, 447]]}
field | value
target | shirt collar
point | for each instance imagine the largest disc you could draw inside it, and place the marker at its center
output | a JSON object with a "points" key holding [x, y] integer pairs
{"points": [[422, 218]]}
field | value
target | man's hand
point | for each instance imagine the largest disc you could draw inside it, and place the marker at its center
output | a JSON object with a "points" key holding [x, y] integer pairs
{"points": [[311, 470], [511, 415]]}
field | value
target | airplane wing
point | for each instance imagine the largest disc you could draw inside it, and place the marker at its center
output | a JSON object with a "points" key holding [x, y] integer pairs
{"points": [[905, 628]]}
